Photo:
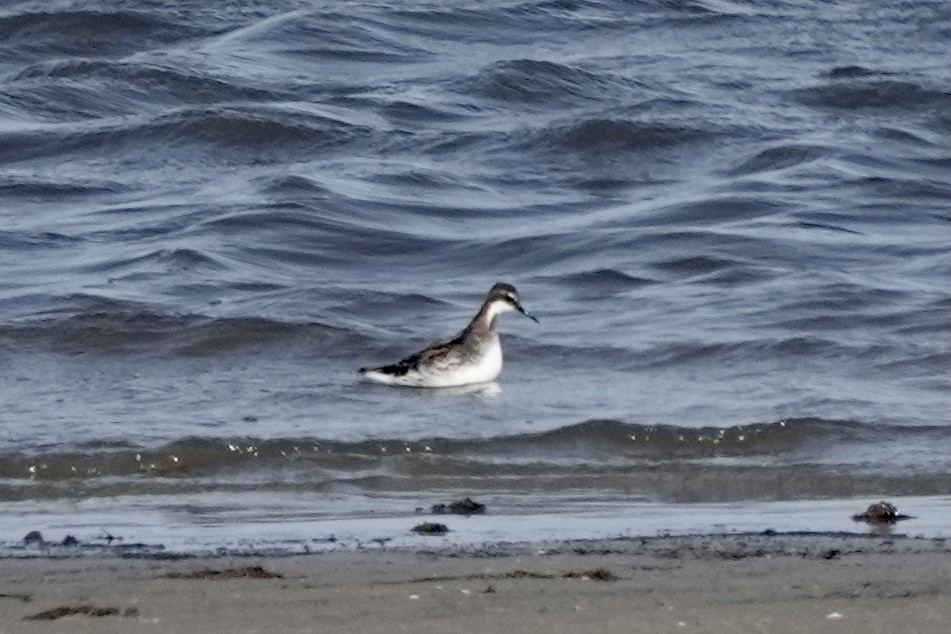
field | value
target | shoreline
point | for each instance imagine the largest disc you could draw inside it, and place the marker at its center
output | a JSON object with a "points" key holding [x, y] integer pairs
{"points": [[770, 582], [286, 525], [733, 545]]}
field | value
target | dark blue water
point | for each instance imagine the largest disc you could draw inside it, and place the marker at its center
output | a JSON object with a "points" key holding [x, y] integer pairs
{"points": [[731, 218]]}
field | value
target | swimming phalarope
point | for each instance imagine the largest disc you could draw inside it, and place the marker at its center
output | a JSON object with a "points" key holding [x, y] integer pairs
{"points": [[472, 356]]}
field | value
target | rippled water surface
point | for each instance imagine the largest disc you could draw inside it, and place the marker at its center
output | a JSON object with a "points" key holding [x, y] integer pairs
{"points": [[731, 218]]}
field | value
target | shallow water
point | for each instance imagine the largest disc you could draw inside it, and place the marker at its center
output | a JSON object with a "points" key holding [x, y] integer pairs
{"points": [[731, 219], [281, 523]]}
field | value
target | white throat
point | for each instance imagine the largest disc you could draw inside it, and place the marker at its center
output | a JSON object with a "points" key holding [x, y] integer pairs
{"points": [[496, 308]]}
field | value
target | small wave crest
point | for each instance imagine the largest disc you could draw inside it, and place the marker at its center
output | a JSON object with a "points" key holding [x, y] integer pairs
{"points": [[529, 80], [78, 31], [265, 132], [599, 283], [104, 326], [607, 442], [853, 88], [618, 135]]}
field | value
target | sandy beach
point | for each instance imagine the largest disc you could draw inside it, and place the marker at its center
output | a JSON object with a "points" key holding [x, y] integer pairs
{"points": [[731, 583]]}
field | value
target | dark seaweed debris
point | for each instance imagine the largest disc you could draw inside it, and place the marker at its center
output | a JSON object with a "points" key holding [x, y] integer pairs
{"points": [[33, 537], [600, 574], [430, 528], [88, 610], [248, 572], [466, 506], [105, 543]]}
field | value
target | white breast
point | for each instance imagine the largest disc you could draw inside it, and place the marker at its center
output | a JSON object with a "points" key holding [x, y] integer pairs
{"points": [[486, 369], [450, 371]]}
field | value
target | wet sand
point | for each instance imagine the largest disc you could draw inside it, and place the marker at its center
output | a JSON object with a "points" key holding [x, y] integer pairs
{"points": [[732, 583]]}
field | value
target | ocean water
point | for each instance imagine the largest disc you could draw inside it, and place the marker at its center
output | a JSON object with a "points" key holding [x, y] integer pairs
{"points": [[731, 218]]}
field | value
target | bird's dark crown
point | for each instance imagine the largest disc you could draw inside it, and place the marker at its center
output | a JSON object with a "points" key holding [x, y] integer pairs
{"points": [[504, 292]]}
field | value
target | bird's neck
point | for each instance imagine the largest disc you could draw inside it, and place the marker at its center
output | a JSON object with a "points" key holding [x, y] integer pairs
{"points": [[484, 321]]}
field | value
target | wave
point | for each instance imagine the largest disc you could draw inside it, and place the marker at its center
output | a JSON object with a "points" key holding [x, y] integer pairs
{"points": [[607, 442], [269, 132], [35, 240], [151, 81], [599, 283], [781, 157], [618, 135], [47, 189], [811, 328], [540, 81], [93, 324], [734, 355], [859, 89], [78, 31], [782, 459], [350, 36]]}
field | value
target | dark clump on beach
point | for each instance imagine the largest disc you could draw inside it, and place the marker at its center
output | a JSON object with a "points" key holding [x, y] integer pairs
{"points": [[248, 572], [880, 513], [88, 610], [466, 506], [430, 528], [525, 574], [600, 574], [33, 537]]}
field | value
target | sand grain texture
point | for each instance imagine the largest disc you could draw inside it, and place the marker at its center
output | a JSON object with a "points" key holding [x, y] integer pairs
{"points": [[599, 590]]}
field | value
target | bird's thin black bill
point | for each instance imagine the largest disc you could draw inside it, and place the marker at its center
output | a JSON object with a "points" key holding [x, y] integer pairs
{"points": [[526, 313]]}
